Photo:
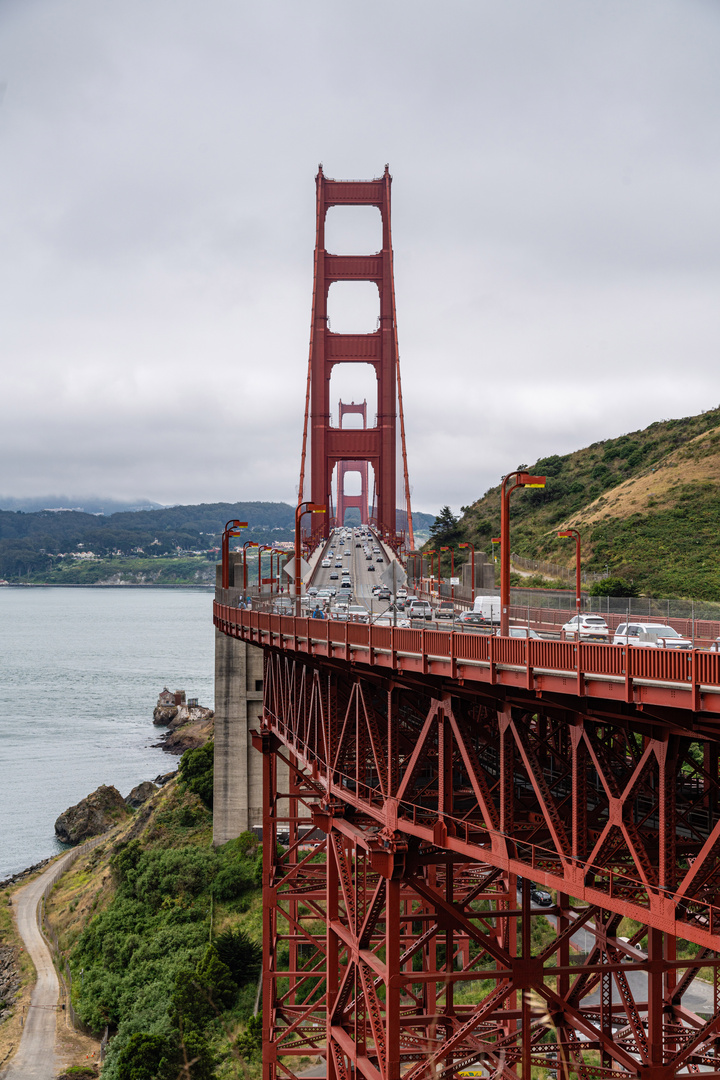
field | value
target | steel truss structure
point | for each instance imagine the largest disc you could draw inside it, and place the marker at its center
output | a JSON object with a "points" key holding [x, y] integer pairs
{"points": [[401, 937]]}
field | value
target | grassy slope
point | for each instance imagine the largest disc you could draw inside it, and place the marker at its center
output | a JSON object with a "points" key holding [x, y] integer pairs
{"points": [[647, 505], [175, 820]]}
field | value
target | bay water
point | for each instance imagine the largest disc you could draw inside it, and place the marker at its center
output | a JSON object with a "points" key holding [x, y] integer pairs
{"points": [[80, 672]]}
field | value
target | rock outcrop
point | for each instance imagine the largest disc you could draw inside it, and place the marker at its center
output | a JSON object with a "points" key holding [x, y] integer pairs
{"points": [[192, 727], [140, 794], [93, 815], [9, 977], [164, 714]]}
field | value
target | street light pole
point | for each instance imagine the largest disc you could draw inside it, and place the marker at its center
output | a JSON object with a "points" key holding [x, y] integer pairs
{"points": [[452, 570], [472, 569], [302, 508], [232, 528], [261, 548], [573, 533], [246, 545], [432, 553], [522, 479]]}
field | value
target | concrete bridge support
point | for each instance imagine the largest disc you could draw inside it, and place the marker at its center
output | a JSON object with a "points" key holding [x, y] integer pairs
{"points": [[237, 801]]}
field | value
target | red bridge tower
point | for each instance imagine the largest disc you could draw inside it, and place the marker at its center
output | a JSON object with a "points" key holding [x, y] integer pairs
{"points": [[375, 446]]}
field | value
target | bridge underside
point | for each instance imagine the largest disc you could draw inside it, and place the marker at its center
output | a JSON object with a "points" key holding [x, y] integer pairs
{"points": [[401, 935]]}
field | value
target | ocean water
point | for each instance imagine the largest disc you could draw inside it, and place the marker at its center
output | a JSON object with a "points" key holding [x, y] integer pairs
{"points": [[80, 672]]}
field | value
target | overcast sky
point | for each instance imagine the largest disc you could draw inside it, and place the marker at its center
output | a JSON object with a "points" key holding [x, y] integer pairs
{"points": [[556, 226]]}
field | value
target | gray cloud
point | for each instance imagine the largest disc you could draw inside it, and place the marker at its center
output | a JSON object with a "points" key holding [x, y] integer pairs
{"points": [[555, 225]]}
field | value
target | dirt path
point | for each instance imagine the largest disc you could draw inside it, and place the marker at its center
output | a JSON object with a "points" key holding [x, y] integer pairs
{"points": [[35, 1058]]}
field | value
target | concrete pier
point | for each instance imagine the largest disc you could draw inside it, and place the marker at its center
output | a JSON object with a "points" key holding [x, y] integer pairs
{"points": [[237, 799]]}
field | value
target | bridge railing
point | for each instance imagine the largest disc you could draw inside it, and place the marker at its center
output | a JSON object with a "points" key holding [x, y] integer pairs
{"points": [[687, 668]]}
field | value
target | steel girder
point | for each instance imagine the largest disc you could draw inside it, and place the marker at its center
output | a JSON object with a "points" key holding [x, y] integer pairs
{"points": [[400, 933]]}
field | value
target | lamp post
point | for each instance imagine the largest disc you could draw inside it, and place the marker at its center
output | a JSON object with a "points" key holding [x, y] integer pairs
{"points": [[246, 545], [570, 533], [472, 569], [279, 553], [302, 508], [261, 548], [522, 480], [432, 553], [452, 570], [232, 528]]}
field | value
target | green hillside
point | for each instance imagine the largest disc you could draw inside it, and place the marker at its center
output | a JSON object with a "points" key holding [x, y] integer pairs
{"points": [[647, 505], [169, 545]]}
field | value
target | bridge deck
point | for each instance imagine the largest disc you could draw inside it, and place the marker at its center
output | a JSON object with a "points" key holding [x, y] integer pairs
{"points": [[681, 680]]}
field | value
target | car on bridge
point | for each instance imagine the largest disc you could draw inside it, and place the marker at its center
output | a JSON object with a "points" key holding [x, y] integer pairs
{"points": [[420, 609], [445, 610], [521, 632], [650, 636], [473, 618], [334, 575], [586, 628]]}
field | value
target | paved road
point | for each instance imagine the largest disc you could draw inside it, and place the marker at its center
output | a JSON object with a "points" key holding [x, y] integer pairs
{"points": [[698, 998], [362, 578], [35, 1058]]}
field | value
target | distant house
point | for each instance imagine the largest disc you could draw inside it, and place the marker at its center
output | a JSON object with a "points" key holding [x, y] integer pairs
{"points": [[170, 697]]}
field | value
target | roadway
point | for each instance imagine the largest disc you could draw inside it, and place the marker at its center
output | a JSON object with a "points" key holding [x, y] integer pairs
{"points": [[35, 1058], [363, 579]]}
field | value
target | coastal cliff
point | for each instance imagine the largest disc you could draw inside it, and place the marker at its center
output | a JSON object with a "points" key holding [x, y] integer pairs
{"points": [[189, 725]]}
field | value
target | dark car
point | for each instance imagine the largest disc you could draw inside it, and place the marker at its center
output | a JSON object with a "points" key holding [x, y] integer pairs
{"points": [[472, 618], [541, 898], [371, 567]]}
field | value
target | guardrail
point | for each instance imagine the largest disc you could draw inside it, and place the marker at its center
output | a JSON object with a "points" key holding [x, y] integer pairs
{"points": [[686, 679]]}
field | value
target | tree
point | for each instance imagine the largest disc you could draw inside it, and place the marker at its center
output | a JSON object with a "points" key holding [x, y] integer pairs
{"points": [[444, 529], [240, 953]]}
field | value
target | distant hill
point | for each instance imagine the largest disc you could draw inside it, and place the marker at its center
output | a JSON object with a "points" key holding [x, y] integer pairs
{"points": [[647, 505], [31, 542], [86, 505]]}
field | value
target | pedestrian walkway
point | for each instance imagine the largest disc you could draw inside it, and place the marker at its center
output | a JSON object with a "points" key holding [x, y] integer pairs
{"points": [[35, 1058]]}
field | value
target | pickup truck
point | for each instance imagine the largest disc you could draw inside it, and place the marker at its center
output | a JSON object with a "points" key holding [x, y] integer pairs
{"points": [[420, 609]]}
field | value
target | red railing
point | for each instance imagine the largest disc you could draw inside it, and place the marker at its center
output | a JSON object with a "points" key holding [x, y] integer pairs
{"points": [[390, 646]]}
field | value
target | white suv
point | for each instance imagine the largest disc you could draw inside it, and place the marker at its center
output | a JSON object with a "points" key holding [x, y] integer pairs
{"points": [[651, 636], [586, 628]]}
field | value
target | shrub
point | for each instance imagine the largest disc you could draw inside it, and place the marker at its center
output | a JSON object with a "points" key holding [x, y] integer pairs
{"points": [[196, 771], [613, 586], [145, 1057]]}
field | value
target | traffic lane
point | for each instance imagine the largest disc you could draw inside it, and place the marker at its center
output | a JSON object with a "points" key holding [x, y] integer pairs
{"points": [[363, 579], [698, 998]]}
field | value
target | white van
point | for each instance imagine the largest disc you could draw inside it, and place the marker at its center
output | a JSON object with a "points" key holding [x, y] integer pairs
{"points": [[489, 608]]}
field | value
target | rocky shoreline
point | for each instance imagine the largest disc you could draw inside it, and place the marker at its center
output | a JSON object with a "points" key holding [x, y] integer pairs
{"points": [[189, 725]]}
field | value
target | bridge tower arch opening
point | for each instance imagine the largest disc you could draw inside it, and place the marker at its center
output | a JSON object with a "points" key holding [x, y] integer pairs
{"points": [[328, 450]]}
